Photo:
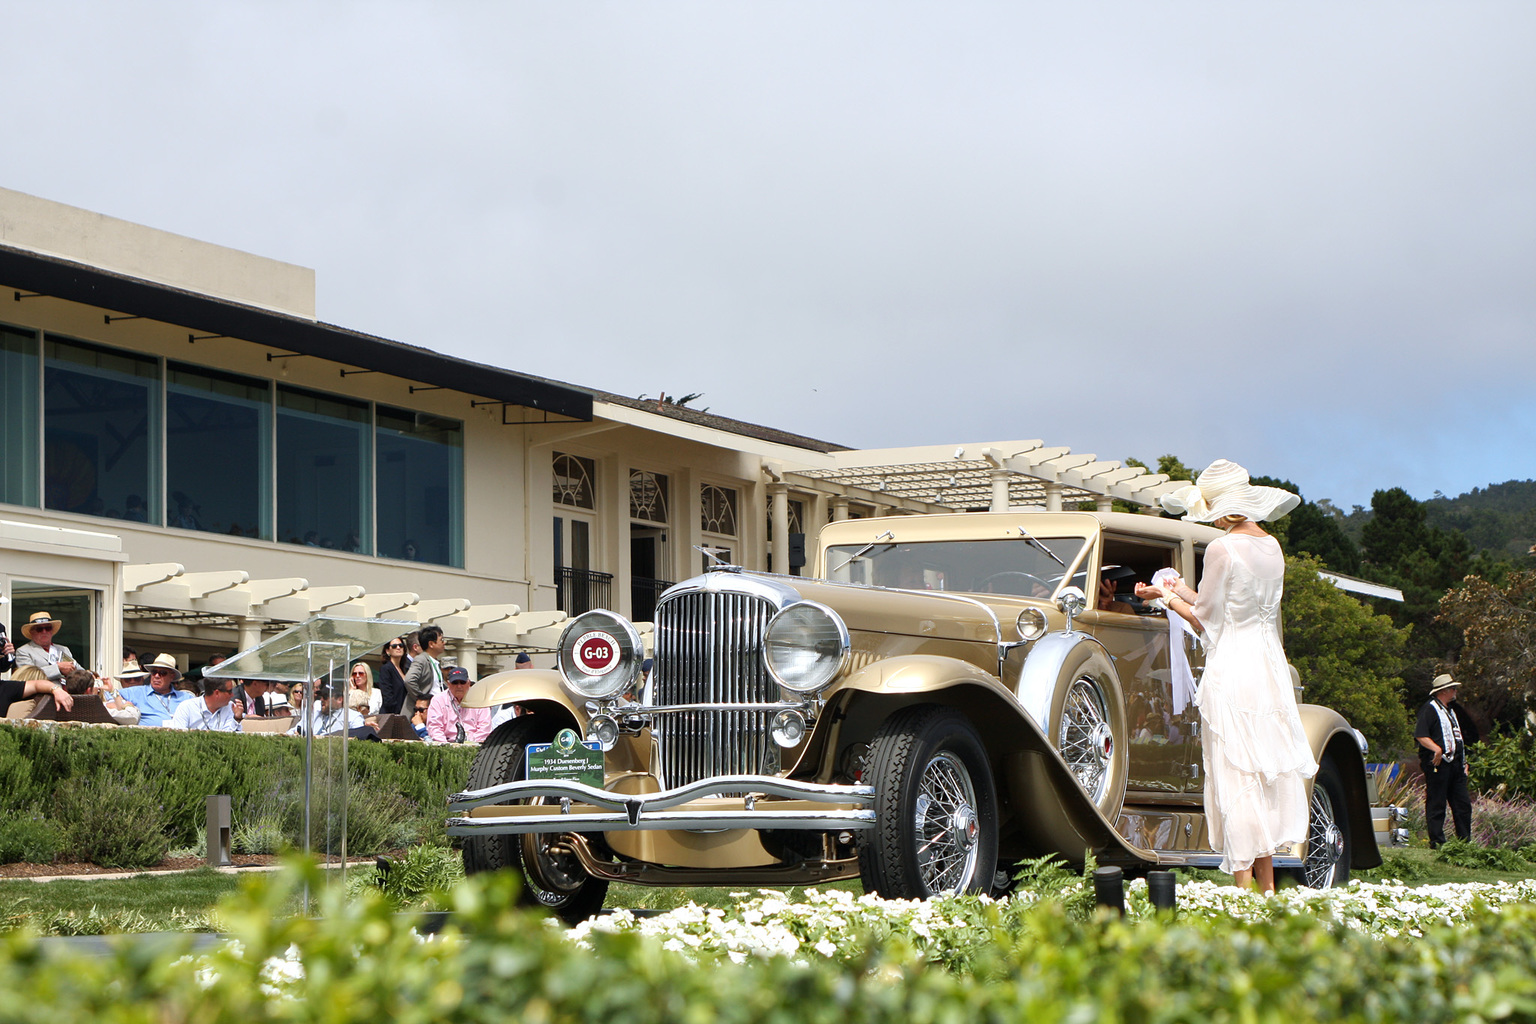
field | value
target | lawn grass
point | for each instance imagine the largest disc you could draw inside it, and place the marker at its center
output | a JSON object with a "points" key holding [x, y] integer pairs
{"points": [[185, 900], [167, 901]]}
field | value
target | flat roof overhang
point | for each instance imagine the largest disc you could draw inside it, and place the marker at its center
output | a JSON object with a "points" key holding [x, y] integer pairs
{"points": [[76, 282]]}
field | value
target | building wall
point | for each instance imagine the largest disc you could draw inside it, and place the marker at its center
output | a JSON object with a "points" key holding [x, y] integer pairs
{"points": [[40, 225]]}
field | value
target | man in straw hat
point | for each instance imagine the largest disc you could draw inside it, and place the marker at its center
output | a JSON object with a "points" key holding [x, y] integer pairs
{"points": [[157, 701], [41, 651], [1442, 740]]}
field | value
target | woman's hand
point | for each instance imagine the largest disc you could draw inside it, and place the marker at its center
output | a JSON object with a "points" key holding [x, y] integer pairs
{"points": [[1147, 592]]}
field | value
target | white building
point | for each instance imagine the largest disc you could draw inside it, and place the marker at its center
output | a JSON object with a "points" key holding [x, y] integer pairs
{"points": [[191, 458]]}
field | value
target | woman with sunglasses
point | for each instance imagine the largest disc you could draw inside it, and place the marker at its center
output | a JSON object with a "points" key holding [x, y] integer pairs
{"points": [[392, 676]]}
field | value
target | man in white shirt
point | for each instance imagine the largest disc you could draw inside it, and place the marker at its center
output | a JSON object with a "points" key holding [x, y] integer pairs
{"points": [[215, 711], [329, 716]]}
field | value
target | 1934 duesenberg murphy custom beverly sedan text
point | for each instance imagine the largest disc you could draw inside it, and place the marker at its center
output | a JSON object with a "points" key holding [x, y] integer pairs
{"points": [[940, 703]]}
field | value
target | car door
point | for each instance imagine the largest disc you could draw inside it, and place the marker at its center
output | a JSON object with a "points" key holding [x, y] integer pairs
{"points": [[1138, 638]]}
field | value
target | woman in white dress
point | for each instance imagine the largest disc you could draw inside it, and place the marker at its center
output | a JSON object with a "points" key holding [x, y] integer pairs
{"points": [[1257, 757]]}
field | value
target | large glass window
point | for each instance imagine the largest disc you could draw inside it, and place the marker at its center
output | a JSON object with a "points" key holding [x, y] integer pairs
{"points": [[101, 431], [19, 409], [420, 486], [323, 481], [215, 419]]}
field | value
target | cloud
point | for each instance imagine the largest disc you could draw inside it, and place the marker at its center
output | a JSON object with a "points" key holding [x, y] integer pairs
{"points": [[1301, 238]]}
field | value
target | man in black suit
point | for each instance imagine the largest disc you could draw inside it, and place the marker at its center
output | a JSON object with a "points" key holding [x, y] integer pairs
{"points": [[1442, 733]]}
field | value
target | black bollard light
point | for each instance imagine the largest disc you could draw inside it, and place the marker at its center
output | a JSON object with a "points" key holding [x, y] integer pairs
{"points": [[1109, 889], [1162, 889]]}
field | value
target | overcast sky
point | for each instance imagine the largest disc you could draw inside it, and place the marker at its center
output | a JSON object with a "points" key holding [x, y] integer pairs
{"points": [[1300, 236]]}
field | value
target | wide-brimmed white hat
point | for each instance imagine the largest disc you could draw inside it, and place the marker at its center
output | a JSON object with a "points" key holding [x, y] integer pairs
{"points": [[1223, 490], [168, 662], [1443, 681], [131, 669]]}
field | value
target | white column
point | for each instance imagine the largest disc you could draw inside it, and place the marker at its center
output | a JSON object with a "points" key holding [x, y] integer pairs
{"points": [[466, 654], [1104, 503], [1000, 490], [1052, 497], [839, 508], [250, 632], [778, 495]]}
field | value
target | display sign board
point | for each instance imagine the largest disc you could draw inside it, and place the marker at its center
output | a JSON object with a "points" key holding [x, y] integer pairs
{"points": [[567, 759]]}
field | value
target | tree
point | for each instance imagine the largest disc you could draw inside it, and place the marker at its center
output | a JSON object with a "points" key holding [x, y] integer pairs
{"points": [[1174, 467], [1349, 658], [1498, 654], [1309, 529], [1397, 528], [1401, 549]]}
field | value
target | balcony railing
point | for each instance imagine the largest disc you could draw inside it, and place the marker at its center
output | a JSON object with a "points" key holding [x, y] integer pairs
{"points": [[581, 590], [642, 597]]}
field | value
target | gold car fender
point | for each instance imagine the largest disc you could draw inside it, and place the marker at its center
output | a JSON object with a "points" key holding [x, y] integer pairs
{"points": [[1068, 677], [1044, 808], [535, 689], [1330, 734]]}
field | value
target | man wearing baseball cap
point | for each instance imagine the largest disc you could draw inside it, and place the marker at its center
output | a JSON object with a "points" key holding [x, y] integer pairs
{"points": [[449, 721], [1442, 743]]}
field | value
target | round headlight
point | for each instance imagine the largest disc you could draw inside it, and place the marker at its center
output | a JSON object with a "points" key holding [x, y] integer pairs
{"points": [[1031, 624], [805, 646], [600, 655]]}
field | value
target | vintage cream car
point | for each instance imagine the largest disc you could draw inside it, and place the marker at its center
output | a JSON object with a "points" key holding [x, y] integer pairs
{"points": [[940, 703]]}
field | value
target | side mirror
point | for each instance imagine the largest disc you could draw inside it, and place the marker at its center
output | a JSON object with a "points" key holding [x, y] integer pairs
{"points": [[1071, 601]]}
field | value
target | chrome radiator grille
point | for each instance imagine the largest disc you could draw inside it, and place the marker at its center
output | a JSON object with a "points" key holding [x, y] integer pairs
{"points": [[709, 650]]}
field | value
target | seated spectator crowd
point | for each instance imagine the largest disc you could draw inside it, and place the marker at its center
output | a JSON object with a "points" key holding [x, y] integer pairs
{"points": [[429, 703]]}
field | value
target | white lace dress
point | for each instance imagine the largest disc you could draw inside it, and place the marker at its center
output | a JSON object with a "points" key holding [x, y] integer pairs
{"points": [[1257, 758]]}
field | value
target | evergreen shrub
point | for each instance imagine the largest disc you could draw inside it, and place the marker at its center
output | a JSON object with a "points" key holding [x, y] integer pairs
{"points": [[116, 824], [396, 790], [1504, 765], [30, 836]]}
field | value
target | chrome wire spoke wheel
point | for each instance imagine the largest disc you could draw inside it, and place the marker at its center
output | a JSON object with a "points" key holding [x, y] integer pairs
{"points": [[946, 825], [1086, 741], [1325, 841]]}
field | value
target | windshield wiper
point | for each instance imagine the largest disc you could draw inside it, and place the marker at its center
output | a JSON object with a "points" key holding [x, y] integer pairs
{"points": [[887, 535], [1025, 534]]}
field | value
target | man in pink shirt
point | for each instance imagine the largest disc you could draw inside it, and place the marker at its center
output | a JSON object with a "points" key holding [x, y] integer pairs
{"points": [[449, 721]]}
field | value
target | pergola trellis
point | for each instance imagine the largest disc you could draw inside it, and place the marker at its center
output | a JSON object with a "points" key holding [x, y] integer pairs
{"points": [[166, 592], [995, 475]]}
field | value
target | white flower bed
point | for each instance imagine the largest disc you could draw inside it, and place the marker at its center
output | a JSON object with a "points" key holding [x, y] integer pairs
{"points": [[831, 923]]}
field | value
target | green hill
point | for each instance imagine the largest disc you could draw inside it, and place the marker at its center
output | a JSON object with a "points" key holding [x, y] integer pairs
{"points": [[1499, 518]]}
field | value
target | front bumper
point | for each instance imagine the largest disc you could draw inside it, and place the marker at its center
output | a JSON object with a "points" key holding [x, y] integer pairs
{"points": [[771, 803]]}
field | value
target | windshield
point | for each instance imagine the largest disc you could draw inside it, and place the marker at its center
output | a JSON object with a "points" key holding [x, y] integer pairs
{"points": [[1003, 566]]}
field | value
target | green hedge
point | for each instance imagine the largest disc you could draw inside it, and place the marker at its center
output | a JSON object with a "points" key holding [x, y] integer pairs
{"points": [[179, 770], [362, 962]]}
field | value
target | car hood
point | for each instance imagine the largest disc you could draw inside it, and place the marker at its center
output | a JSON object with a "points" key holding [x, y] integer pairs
{"points": [[927, 614]]}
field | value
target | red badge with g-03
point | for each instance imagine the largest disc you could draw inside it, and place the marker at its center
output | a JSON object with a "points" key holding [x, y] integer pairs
{"points": [[597, 653]]}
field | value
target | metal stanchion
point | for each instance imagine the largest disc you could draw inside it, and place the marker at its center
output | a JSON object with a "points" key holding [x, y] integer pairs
{"points": [[219, 832], [1162, 889], [1109, 889]]}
